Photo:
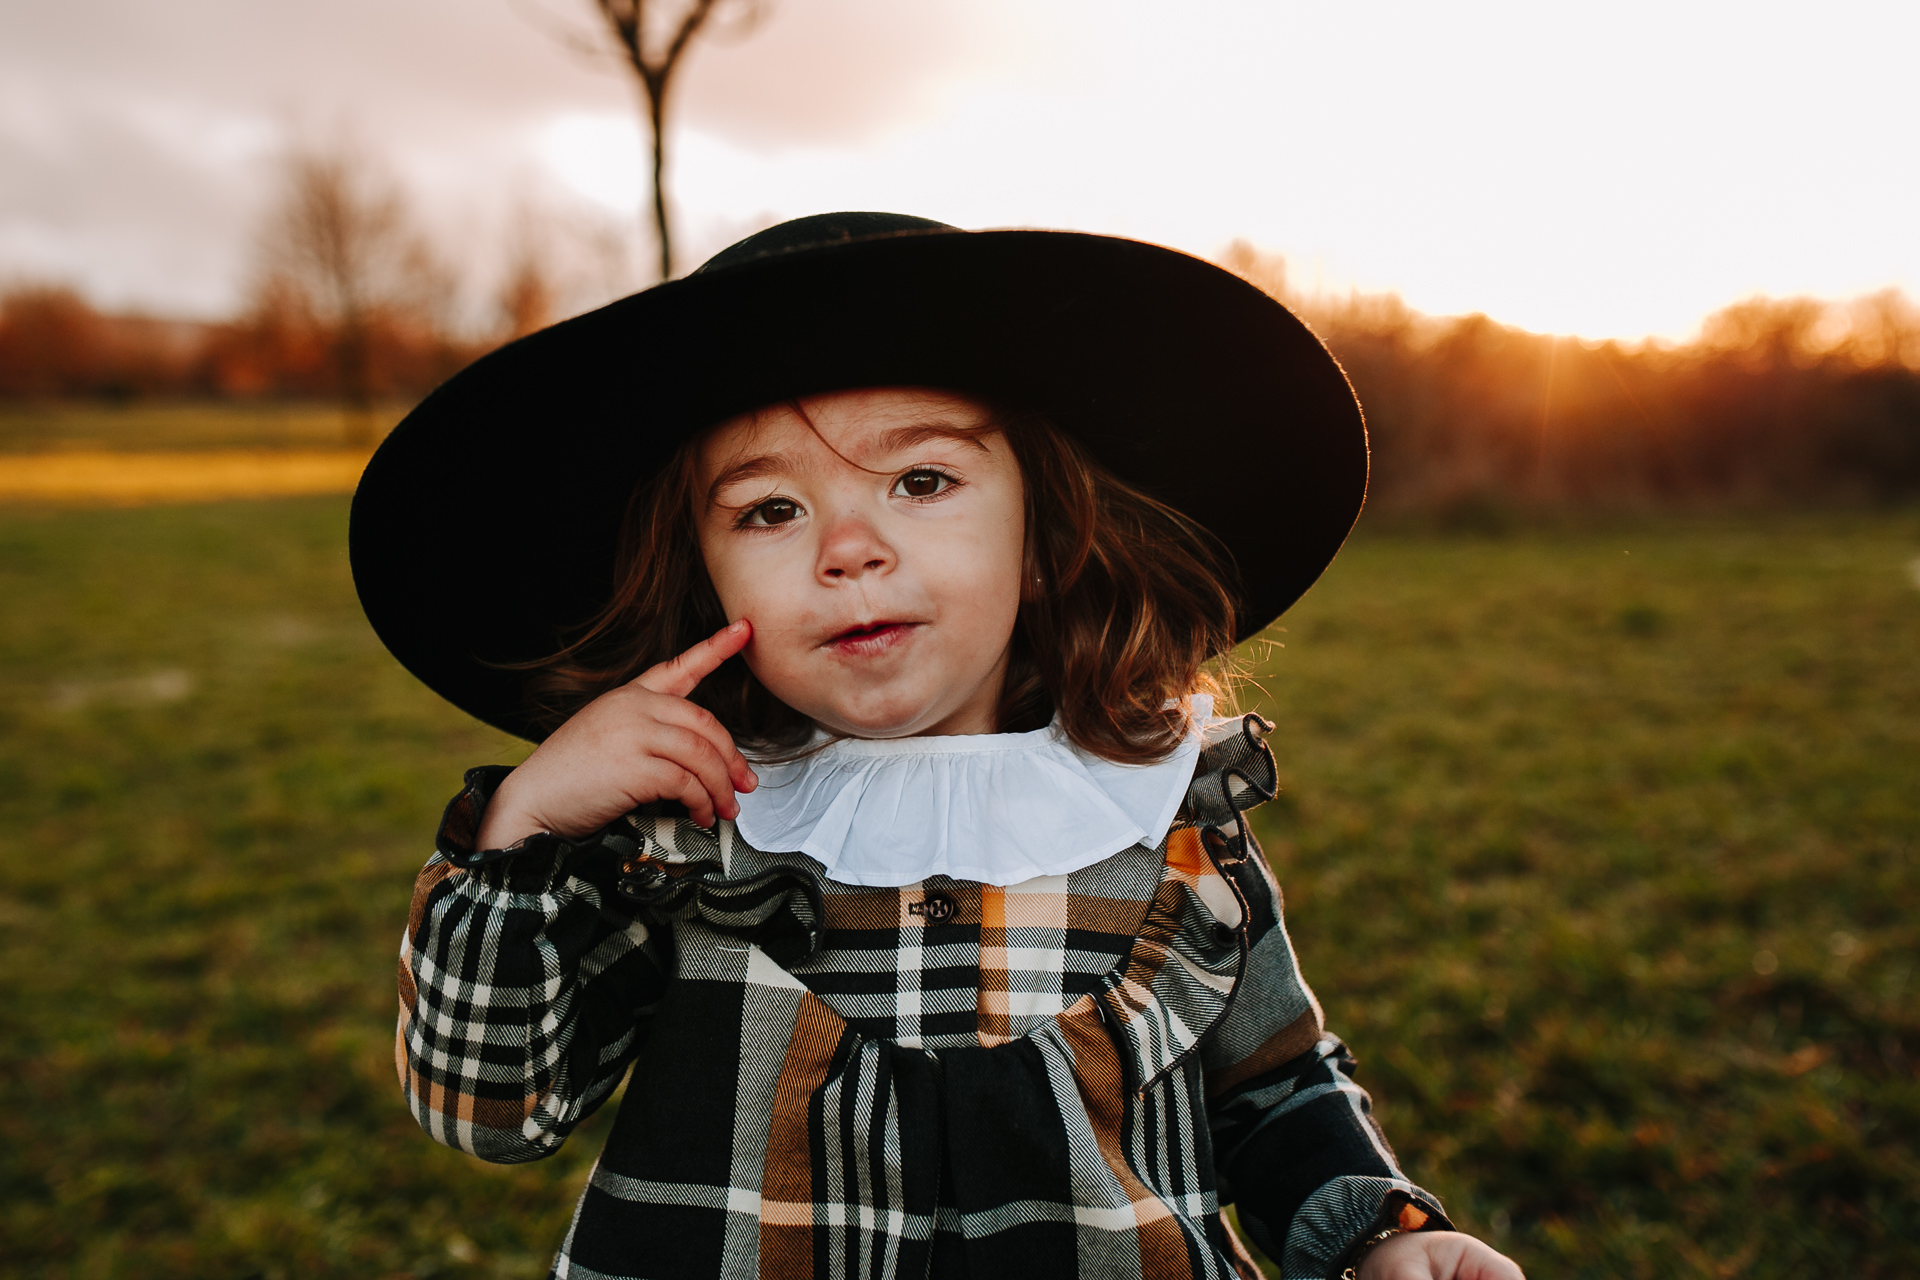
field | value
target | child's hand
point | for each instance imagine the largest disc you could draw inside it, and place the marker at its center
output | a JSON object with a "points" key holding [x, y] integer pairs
{"points": [[1435, 1255], [641, 742]]}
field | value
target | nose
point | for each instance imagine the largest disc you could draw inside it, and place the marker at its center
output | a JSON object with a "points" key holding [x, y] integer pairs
{"points": [[851, 548]]}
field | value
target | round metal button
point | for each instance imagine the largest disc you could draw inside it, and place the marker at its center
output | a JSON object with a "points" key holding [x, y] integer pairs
{"points": [[937, 907]]}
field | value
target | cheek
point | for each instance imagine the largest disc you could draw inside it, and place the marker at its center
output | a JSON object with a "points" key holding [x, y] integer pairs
{"points": [[712, 559], [727, 586], [757, 584], [743, 595], [734, 577], [986, 573], [1006, 547]]}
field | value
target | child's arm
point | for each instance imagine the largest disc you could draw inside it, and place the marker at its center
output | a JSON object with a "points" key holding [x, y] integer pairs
{"points": [[1295, 1143], [525, 978], [525, 986]]}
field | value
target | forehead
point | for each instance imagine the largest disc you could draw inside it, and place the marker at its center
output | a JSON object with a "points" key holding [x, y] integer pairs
{"points": [[853, 424]]}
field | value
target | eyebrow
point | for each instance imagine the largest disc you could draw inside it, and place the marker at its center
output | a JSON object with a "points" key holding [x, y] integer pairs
{"points": [[763, 464], [894, 441], [906, 437]]}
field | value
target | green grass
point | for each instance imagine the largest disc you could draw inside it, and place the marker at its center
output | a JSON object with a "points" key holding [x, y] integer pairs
{"points": [[1601, 850], [29, 427], [1554, 802]]}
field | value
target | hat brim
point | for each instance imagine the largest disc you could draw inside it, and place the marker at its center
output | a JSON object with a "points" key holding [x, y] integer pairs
{"points": [[486, 524]]}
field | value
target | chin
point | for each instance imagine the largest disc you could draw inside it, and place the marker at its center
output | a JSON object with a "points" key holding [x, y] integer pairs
{"points": [[877, 722], [863, 728]]}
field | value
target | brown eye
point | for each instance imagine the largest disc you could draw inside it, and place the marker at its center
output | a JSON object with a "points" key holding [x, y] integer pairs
{"points": [[921, 484], [774, 511]]}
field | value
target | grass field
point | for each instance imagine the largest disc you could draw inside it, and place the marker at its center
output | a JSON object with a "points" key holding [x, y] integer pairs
{"points": [[1599, 846]]}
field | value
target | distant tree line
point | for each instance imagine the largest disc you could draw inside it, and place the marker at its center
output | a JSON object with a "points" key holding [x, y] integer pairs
{"points": [[1792, 399], [55, 345], [348, 300]]}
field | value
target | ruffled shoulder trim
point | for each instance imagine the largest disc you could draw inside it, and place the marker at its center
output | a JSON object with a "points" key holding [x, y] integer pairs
{"points": [[1236, 772], [1178, 981]]}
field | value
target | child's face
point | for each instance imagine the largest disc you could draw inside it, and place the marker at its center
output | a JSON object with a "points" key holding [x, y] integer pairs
{"points": [[878, 560]]}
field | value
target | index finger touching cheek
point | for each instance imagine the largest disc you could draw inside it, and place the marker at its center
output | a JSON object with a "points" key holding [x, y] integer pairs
{"points": [[679, 675]]}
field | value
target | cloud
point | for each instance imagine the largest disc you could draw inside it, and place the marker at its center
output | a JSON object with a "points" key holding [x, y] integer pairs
{"points": [[134, 134], [141, 203], [1560, 171], [840, 73]]}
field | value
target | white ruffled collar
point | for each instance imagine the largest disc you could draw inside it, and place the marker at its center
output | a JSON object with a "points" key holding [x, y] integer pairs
{"points": [[999, 808]]}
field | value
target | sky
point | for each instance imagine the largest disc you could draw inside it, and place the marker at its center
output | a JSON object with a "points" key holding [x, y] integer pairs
{"points": [[1615, 170]]}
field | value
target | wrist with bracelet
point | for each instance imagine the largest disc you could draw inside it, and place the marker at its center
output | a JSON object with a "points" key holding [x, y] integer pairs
{"points": [[1366, 1247], [1403, 1215]]}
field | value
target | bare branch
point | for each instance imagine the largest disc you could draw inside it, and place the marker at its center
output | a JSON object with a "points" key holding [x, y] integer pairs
{"points": [[627, 21], [580, 43], [341, 250], [695, 18]]}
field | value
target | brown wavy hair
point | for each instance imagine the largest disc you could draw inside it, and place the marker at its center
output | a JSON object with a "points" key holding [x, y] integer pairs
{"points": [[1126, 609]]}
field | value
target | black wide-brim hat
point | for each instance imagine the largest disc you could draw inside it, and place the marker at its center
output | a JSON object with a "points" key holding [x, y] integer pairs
{"points": [[485, 527]]}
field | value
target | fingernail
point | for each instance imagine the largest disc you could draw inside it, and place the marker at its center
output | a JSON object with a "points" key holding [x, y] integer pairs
{"points": [[735, 628]]}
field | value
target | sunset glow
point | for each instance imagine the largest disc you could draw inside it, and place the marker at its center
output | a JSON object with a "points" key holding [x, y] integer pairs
{"points": [[1615, 172]]}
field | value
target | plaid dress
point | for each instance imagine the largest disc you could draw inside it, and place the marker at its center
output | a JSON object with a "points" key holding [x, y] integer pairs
{"points": [[1064, 1077]]}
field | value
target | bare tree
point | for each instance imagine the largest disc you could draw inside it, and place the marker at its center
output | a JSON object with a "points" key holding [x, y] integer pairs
{"points": [[654, 37], [341, 242]]}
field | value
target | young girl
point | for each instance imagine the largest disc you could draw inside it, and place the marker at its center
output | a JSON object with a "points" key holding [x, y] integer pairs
{"points": [[858, 590]]}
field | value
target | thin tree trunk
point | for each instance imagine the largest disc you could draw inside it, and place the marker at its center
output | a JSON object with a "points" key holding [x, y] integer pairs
{"points": [[656, 104], [626, 19]]}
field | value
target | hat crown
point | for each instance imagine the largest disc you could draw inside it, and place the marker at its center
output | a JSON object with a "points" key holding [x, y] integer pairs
{"points": [[818, 231]]}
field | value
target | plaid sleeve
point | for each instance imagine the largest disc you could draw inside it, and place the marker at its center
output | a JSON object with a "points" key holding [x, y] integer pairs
{"points": [[1295, 1142], [525, 985]]}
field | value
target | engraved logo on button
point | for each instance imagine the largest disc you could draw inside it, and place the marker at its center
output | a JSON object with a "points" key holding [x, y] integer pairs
{"points": [[937, 907]]}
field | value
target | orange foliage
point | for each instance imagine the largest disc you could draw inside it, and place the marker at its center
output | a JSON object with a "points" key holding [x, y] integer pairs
{"points": [[55, 344], [349, 301], [1778, 399], [1791, 399]]}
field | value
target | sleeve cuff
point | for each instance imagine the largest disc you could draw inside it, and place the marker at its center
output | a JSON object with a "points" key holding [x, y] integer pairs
{"points": [[460, 825], [1328, 1230]]}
